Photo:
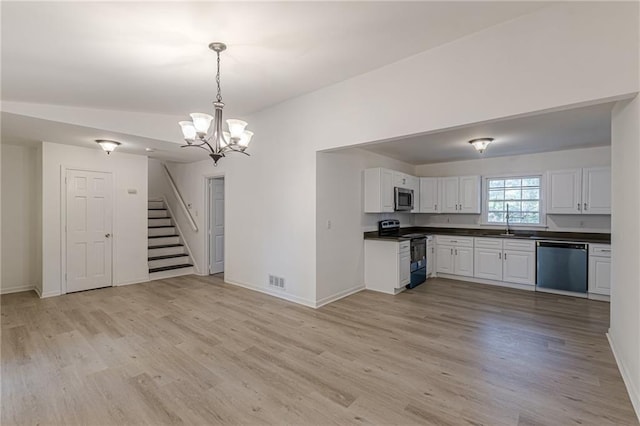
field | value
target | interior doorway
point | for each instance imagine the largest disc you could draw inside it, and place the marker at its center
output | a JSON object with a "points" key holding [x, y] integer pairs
{"points": [[88, 225], [216, 225]]}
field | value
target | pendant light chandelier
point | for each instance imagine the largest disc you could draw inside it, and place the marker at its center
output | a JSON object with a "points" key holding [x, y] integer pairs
{"points": [[217, 142], [480, 144]]}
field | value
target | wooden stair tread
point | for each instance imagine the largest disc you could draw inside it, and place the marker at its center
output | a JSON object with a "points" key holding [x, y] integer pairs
{"points": [[169, 268], [167, 256]]}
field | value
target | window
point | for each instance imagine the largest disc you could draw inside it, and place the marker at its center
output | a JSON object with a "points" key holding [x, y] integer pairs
{"points": [[520, 195]]}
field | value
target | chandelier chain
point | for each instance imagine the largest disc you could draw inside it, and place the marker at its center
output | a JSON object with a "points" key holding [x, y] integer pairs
{"points": [[219, 97]]}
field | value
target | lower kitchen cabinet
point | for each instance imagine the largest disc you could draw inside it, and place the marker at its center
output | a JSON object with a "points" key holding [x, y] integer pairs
{"points": [[519, 267], [454, 255], [512, 261], [387, 265], [600, 269], [488, 264]]}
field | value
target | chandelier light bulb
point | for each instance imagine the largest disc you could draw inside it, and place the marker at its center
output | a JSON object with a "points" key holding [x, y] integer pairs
{"points": [[201, 122], [245, 139], [188, 131], [236, 128]]}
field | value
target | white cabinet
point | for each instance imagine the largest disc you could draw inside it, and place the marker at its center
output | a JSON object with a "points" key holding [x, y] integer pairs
{"points": [[429, 201], [579, 191], [460, 194], [596, 190], [378, 190], [414, 183], [431, 256], [387, 265], [600, 269], [454, 255], [511, 261], [401, 180]]}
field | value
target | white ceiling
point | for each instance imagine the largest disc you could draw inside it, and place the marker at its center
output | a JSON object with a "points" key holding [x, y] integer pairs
{"points": [[153, 56], [568, 129]]}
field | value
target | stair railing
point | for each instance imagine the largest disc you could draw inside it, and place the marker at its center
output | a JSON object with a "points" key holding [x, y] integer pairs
{"points": [[178, 196]]}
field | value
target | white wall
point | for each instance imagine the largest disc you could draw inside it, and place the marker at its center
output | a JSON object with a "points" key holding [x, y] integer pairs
{"points": [[624, 333], [20, 230], [340, 200], [158, 184], [530, 163], [129, 211]]}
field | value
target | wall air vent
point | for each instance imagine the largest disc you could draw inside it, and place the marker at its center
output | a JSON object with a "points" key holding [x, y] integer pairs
{"points": [[276, 282]]}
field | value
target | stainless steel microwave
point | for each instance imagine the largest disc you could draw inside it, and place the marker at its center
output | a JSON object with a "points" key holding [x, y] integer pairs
{"points": [[403, 198]]}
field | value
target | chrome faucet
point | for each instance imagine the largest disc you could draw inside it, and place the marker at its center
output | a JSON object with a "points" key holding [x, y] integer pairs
{"points": [[508, 231]]}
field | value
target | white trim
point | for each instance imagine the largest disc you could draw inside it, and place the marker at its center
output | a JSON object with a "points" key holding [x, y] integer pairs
{"points": [[339, 295], [634, 396], [16, 289], [51, 294], [182, 238], [599, 297], [561, 292], [38, 291], [63, 220], [528, 287], [135, 281], [278, 294]]}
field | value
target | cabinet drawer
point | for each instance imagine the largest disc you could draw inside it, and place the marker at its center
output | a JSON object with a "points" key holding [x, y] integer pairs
{"points": [[403, 246], [520, 245], [602, 250], [490, 243], [454, 241]]}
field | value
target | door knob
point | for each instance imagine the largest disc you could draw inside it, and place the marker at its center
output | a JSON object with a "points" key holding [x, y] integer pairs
{"points": [[107, 235]]}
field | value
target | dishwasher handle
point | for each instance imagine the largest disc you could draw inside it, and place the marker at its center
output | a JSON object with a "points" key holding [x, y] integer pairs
{"points": [[553, 244]]}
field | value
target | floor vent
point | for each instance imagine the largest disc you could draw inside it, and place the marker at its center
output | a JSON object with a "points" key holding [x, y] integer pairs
{"points": [[277, 282]]}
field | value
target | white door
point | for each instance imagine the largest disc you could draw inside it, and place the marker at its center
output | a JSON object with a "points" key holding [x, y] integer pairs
{"points": [[429, 195], [216, 225], [444, 259], [599, 275], [463, 261], [469, 194], [596, 190], [564, 191], [488, 264], [89, 227], [449, 194], [519, 267]]}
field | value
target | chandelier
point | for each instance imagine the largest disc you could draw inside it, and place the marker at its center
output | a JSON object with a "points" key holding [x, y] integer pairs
{"points": [[218, 142], [481, 144]]}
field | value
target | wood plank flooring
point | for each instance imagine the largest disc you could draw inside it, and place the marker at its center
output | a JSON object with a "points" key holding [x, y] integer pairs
{"points": [[193, 350]]}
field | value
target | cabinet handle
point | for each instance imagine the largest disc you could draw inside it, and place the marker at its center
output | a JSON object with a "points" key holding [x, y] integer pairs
{"points": [[505, 256], [605, 251], [585, 206], [578, 206], [456, 252], [451, 252], [435, 207], [500, 256]]}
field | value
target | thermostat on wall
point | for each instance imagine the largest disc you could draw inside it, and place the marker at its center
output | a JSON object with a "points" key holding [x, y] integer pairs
{"points": [[132, 191]]}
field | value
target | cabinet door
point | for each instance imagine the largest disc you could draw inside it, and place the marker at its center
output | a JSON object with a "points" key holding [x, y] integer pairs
{"points": [[596, 190], [431, 259], [564, 191], [404, 269], [519, 267], [444, 259], [414, 183], [463, 261], [449, 195], [469, 194], [429, 202], [488, 264], [400, 180], [599, 275], [386, 190]]}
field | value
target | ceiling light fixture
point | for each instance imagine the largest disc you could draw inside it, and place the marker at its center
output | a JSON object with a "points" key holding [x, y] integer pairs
{"points": [[481, 144], [108, 145], [196, 132]]}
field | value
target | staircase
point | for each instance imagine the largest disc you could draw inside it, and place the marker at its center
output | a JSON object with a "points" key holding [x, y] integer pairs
{"points": [[168, 257]]}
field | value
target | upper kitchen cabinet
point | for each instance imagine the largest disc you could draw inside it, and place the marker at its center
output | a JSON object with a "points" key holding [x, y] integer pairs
{"points": [[429, 201], [401, 180], [414, 184], [378, 190], [460, 194], [579, 191]]}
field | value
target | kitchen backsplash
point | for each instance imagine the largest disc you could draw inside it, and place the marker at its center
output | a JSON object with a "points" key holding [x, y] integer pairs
{"points": [[566, 223], [370, 220]]}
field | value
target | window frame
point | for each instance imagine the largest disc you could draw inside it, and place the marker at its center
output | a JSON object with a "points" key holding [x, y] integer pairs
{"points": [[485, 199]]}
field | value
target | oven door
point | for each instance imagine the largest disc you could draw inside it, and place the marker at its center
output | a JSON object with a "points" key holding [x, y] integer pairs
{"points": [[403, 199]]}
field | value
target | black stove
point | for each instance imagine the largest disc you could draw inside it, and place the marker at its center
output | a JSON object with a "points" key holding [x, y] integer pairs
{"points": [[391, 228]]}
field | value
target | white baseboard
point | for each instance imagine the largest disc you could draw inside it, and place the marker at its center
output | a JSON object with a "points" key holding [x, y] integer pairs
{"points": [[339, 295], [16, 289], [634, 396], [53, 293], [527, 287], [38, 292], [275, 293], [136, 281], [600, 297]]}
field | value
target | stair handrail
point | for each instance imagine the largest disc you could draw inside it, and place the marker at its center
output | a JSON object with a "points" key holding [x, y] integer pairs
{"points": [[176, 192]]}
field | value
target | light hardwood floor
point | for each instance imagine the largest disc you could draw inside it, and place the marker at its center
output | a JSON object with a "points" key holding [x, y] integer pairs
{"points": [[193, 350]]}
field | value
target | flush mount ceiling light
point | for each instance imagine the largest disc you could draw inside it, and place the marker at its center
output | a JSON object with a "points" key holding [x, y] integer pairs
{"points": [[481, 144], [108, 145], [196, 132]]}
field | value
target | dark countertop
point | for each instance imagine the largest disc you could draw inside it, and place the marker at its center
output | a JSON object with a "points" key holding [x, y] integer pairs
{"points": [[587, 237]]}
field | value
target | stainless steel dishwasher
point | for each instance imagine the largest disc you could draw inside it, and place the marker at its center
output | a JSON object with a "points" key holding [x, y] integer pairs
{"points": [[561, 266]]}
